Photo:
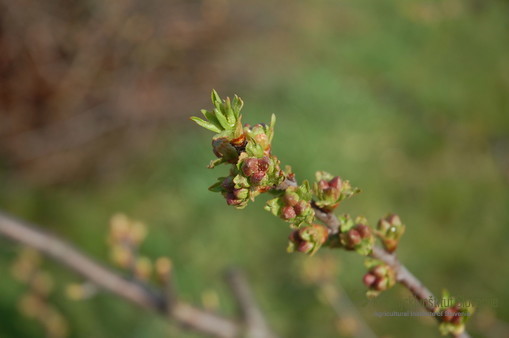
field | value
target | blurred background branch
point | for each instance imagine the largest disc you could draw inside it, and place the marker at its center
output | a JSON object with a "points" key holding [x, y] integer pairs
{"points": [[142, 295]]}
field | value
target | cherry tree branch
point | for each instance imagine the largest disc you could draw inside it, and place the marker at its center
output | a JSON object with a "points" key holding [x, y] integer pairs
{"points": [[184, 314], [403, 275]]}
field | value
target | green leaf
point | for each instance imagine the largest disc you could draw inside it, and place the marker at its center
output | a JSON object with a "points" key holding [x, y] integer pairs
{"points": [[222, 119], [216, 187], [237, 105], [214, 163], [253, 149], [205, 124], [230, 115], [273, 206], [216, 99], [271, 129], [211, 118], [241, 182]]}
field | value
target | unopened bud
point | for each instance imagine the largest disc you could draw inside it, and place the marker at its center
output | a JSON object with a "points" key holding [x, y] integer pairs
{"points": [[308, 239], [138, 232], [368, 279], [291, 198], [119, 227], [379, 278], [143, 268], [389, 230], [163, 267], [288, 213], [363, 230]]}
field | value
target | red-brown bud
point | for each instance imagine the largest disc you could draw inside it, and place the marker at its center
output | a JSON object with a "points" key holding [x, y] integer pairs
{"points": [[305, 247], [368, 279], [335, 183], [300, 207], [353, 237], [363, 230], [288, 212]]}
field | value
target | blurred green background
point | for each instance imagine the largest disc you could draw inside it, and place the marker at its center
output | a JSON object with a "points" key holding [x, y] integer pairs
{"points": [[409, 100]]}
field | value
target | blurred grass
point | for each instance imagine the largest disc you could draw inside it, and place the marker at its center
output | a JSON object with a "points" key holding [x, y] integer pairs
{"points": [[408, 100]]}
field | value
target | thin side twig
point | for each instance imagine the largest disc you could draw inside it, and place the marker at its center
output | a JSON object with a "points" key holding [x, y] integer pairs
{"points": [[256, 325]]}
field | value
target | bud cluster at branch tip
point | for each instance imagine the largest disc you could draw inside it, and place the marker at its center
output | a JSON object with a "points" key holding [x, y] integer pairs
{"points": [[247, 148]]}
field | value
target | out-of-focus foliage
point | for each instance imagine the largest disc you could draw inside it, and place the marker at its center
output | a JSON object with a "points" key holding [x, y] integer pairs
{"points": [[407, 99]]}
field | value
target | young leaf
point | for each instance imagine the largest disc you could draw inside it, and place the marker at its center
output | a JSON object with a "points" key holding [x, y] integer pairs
{"points": [[221, 118], [211, 118], [205, 124]]}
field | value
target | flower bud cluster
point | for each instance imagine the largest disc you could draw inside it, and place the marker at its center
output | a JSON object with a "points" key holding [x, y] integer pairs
{"points": [[331, 190], [125, 238], [293, 205], [453, 317], [389, 230], [356, 235], [34, 302], [380, 277], [308, 239], [254, 169]]}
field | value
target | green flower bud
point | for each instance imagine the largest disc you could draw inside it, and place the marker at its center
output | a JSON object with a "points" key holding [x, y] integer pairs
{"points": [[389, 230]]}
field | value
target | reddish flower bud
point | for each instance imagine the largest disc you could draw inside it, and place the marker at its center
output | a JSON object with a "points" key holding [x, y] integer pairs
{"points": [[353, 238], [257, 177], [300, 207], [379, 271], [323, 184], [308, 239], [335, 183], [457, 318], [363, 230], [369, 279], [250, 166], [231, 199], [263, 164], [305, 247], [288, 212], [380, 284]]}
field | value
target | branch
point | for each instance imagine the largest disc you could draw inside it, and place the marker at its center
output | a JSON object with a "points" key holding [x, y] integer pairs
{"points": [[403, 275], [256, 326], [182, 313]]}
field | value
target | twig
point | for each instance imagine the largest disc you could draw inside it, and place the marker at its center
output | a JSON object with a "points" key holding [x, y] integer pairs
{"points": [[182, 313], [256, 326]]}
